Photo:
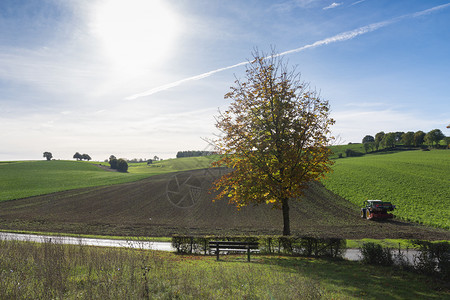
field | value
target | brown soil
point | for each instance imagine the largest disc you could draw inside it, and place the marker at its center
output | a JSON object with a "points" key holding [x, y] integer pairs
{"points": [[180, 204]]}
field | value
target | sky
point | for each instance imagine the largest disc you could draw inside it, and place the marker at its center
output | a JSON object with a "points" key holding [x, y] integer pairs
{"points": [[139, 78]]}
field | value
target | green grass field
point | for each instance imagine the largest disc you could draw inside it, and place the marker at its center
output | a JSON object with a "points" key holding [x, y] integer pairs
{"points": [[31, 178], [418, 182], [55, 271]]}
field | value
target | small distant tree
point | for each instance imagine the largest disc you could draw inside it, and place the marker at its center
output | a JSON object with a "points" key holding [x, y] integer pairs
{"points": [[447, 141], [389, 140], [86, 157], [378, 139], [398, 136], [368, 139], [155, 158], [369, 146], [113, 162], [408, 138], [428, 139], [419, 138], [48, 155], [78, 156], [368, 142], [122, 165], [434, 137]]}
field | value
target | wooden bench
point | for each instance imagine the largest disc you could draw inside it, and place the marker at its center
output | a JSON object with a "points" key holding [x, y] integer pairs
{"points": [[233, 246]]}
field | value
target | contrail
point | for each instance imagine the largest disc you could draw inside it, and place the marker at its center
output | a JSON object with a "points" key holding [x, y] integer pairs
{"points": [[348, 35], [176, 83], [340, 37]]}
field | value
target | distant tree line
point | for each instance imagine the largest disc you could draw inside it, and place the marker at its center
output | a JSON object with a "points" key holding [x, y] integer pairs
{"points": [[137, 160], [120, 164], [194, 153], [408, 139], [79, 156]]}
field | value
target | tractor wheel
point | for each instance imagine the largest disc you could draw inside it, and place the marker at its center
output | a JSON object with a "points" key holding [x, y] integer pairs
{"points": [[367, 214], [363, 212]]}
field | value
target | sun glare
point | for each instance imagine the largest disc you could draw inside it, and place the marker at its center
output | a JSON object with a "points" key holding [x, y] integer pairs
{"points": [[135, 34]]}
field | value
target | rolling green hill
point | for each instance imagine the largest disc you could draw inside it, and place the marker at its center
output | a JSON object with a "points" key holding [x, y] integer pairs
{"points": [[340, 149], [30, 178], [181, 203], [418, 182]]}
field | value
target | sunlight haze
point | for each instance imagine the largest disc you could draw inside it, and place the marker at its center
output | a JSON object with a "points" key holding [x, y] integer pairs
{"points": [[142, 78]]}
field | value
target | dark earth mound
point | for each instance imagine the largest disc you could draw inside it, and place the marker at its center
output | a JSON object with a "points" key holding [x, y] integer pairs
{"points": [[180, 203]]}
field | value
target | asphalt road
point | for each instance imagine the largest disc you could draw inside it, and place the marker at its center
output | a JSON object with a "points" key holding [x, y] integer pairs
{"points": [[163, 246]]}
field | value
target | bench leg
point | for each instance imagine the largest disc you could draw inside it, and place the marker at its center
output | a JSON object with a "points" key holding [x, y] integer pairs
{"points": [[248, 253], [217, 252]]}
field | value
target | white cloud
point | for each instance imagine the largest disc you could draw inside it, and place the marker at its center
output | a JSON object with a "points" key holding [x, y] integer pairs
{"points": [[46, 70], [332, 5], [120, 130]]}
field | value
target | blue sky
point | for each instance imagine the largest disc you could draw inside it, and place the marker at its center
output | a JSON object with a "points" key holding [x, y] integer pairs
{"points": [[140, 78]]}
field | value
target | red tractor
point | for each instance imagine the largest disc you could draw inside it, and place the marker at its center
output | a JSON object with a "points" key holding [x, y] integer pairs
{"points": [[377, 210]]}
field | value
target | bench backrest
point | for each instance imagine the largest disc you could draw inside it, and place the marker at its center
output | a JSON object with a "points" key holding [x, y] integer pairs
{"points": [[233, 245]]}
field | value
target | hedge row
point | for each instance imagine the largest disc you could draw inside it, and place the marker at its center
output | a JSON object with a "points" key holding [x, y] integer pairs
{"points": [[432, 258], [304, 246]]}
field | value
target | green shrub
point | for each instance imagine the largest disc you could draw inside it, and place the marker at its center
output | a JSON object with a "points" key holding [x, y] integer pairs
{"points": [[289, 245], [374, 254], [433, 258], [113, 162], [122, 165]]}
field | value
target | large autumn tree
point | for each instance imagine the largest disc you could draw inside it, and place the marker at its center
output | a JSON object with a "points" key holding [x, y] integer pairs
{"points": [[274, 137]]}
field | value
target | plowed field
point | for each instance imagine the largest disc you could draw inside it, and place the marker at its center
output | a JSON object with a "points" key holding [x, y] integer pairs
{"points": [[179, 203]]}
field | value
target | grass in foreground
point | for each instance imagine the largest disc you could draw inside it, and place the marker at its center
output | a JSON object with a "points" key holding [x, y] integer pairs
{"points": [[29, 270], [31, 178], [417, 182]]}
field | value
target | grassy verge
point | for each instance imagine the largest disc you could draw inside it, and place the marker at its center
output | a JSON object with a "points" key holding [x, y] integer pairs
{"points": [[48, 270], [386, 243]]}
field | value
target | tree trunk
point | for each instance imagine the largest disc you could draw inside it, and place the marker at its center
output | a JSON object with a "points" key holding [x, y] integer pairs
{"points": [[285, 209]]}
